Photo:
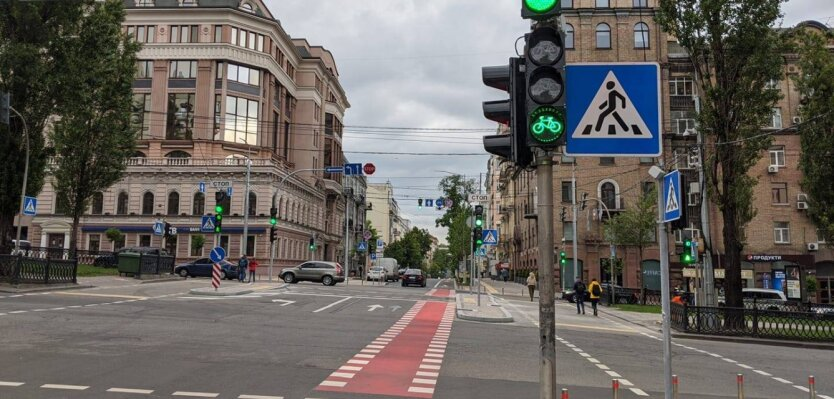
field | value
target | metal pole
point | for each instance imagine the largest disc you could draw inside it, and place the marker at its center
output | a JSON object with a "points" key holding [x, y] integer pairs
{"points": [[547, 308], [615, 386], [812, 387], [347, 231], [246, 208], [25, 179], [709, 275], [271, 259], [664, 293], [740, 381], [674, 386], [575, 238]]}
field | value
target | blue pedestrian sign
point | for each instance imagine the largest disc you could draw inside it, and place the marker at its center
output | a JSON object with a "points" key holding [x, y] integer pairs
{"points": [[362, 247], [672, 196], [158, 228], [490, 237], [201, 187], [353, 169], [334, 169], [614, 109], [380, 243], [217, 254], [30, 206], [207, 224], [481, 252]]}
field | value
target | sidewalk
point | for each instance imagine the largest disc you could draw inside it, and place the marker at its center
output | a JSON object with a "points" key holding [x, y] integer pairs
{"points": [[651, 321], [499, 287], [489, 311]]}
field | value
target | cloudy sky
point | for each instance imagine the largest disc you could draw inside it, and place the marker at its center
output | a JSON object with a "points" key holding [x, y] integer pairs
{"points": [[415, 64]]}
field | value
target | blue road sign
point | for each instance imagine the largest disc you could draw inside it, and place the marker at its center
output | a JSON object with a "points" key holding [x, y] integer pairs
{"points": [[481, 251], [373, 256], [207, 224], [30, 206], [614, 110], [334, 169], [229, 191], [353, 169], [217, 254], [380, 243], [429, 203], [362, 247], [672, 196], [201, 187], [490, 237], [158, 228]]}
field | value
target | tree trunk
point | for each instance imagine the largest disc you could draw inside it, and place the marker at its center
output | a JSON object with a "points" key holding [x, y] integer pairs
{"points": [[640, 276], [7, 232], [734, 318], [73, 244]]}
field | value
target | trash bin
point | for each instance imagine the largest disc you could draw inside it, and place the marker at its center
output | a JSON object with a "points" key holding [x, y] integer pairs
{"points": [[129, 263]]}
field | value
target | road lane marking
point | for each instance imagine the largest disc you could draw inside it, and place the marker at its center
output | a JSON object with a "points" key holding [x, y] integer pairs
{"points": [[196, 394], [421, 390], [339, 384], [782, 380], [763, 373], [129, 390], [428, 374], [342, 375], [354, 361], [603, 367], [613, 374], [101, 295], [626, 383], [259, 397], [332, 305], [350, 368], [10, 384], [742, 365], [17, 312], [801, 388], [638, 392], [69, 387]]}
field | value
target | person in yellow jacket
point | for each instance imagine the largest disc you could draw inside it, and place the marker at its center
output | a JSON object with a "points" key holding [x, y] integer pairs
{"points": [[596, 292]]}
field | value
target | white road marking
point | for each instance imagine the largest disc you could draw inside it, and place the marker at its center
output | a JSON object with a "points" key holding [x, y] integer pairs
{"points": [[364, 356], [742, 365], [430, 366], [339, 384], [728, 360], [10, 384], [196, 394], [259, 397], [129, 390], [332, 305], [427, 374], [421, 390], [350, 368], [342, 375], [613, 374], [626, 383], [592, 360], [424, 381], [638, 392], [603, 367], [355, 361], [782, 380], [763, 373], [801, 388], [438, 355], [436, 361], [17, 312], [70, 387]]}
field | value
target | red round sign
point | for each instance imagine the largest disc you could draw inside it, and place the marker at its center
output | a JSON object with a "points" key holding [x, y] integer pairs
{"points": [[369, 168]]}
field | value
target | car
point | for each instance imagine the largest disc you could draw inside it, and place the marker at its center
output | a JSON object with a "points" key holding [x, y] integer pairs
{"points": [[763, 298], [570, 296], [112, 259], [203, 267], [327, 273], [414, 277], [376, 273]]}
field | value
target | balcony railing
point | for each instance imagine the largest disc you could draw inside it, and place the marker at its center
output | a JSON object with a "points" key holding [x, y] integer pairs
{"points": [[202, 162]]}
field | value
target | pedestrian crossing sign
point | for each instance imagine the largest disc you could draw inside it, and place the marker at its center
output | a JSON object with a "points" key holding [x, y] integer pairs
{"points": [[207, 224], [490, 237], [614, 110], [362, 247], [672, 196], [30, 205]]}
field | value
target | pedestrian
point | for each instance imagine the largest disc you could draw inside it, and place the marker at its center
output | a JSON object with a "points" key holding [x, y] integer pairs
{"points": [[596, 292], [579, 295], [506, 274], [531, 284], [242, 266], [253, 267]]}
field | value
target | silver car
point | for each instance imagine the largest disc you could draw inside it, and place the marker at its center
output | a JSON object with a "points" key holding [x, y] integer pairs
{"points": [[327, 273]]}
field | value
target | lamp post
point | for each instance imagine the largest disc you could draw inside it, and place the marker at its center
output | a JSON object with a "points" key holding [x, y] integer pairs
{"points": [[25, 178]]}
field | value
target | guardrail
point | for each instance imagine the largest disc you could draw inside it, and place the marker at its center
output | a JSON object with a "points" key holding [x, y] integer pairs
{"points": [[17, 269]]}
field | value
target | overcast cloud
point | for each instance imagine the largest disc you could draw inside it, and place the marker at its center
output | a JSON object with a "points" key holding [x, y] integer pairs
{"points": [[417, 64]]}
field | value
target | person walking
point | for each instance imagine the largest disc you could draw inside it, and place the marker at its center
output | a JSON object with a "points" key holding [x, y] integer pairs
{"points": [[596, 292], [531, 284], [242, 266], [253, 267], [579, 295]]}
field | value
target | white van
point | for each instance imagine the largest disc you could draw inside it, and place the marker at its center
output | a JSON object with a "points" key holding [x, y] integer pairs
{"points": [[391, 266]]}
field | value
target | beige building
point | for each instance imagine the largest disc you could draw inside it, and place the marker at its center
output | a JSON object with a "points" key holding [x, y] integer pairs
{"points": [[779, 237], [384, 212], [220, 84]]}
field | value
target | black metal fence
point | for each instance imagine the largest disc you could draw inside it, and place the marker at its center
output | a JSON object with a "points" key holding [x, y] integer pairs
{"points": [[156, 264], [83, 257], [17, 269], [756, 321]]}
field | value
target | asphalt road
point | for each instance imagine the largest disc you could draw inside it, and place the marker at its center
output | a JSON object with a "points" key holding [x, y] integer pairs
{"points": [[126, 340]]}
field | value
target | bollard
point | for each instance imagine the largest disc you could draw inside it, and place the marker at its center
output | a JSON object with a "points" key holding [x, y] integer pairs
{"points": [[812, 387], [615, 386], [740, 380], [674, 386], [565, 393]]}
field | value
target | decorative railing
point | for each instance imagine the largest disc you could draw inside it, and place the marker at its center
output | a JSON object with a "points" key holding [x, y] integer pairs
{"points": [[17, 269]]}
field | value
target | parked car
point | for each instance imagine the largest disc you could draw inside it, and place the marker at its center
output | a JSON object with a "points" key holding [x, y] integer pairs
{"points": [[570, 296], [24, 245], [376, 273], [414, 277], [327, 273], [111, 260], [203, 267], [763, 298]]}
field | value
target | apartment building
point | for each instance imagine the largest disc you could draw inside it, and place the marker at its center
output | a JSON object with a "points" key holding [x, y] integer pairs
{"points": [[384, 212]]}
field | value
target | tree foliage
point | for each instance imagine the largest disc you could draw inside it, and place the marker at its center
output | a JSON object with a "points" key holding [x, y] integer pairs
{"points": [[457, 188], [374, 236], [441, 262], [816, 87], [636, 227], [411, 250], [94, 136], [735, 53]]}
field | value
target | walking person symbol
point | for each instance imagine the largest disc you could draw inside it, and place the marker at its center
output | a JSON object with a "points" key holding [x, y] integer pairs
{"points": [[610, 108]]}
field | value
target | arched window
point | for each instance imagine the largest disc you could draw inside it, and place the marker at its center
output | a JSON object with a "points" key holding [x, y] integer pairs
{"points": [[147, 203], [569, 36], [603, 36], [97, 207], [608, 194], [247, 7], [199, 204], [121, 204], [641, 35], [173, 203], [253, 203]]}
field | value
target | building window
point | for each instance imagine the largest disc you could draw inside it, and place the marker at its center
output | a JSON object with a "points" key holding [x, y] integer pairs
{"points": [[680, 86], [144, 69], [183, 70], [224, 243], [250, 40], [569, 36], [171, 245], [244, 75], [173, 203], [640, 3], [247, 7], [147, 204], [682, 121], [97, 204], [218, 33], [773, 84], [180, 116], [602, 4], [145, 240], [567, 3], [142, 33], [777, 156], [608, 195], [776, 118], [567, 231], [94, 244], [606, 161], [641, 35], [820, 236], [250, 246], [184, 34], [567, 192], [779, 193], [141, 116], [782, 233], [121, 204], [199, 207], [241, 120], [253, 203], [603, 34], [647, 186]]}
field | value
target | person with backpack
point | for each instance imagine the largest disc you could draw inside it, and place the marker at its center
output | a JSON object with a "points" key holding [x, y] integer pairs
{"points": [[579, 295], [596, 293], [242, 266]]}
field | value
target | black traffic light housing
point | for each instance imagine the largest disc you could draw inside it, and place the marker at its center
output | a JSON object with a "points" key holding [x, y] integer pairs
{"points": [[540, 9], [563, 258], [512, 146], [312, 245], [219, 210], [477, 238], [273, 234], [5, 107], [686, 256], [545, 82], [168, 230]]}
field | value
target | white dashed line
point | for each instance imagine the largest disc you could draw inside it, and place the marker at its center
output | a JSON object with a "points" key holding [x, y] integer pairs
{"points": [[744, 366], [421, 390], [196, 394], [129, 390], [603, 367], [613, 374], [10, 384], [766, 374], [626, 383], [339, 384], [801, 388], [638, 392], [69, 387], [259, 397], [782, 380], [17, 312]]}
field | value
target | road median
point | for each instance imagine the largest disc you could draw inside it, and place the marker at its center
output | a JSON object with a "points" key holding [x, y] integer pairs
{"points": [[489, 311]]}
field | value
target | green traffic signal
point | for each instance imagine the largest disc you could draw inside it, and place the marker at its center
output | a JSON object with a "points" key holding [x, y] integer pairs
{"points": [[547, 124], [479, 222], [218, 209], [540, 6], [273, 221]]}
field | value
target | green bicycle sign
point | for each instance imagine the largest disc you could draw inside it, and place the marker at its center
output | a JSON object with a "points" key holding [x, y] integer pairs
{"points": [[547, 124]]}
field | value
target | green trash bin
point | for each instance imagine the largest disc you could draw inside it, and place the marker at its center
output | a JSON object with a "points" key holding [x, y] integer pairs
{"points": [[129, 263]]}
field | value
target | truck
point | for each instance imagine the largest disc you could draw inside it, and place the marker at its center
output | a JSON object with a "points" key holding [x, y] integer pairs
{"points": [[390, 265]]}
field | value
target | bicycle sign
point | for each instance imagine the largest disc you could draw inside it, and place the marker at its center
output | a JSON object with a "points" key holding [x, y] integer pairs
{"points": [[546, 124]]}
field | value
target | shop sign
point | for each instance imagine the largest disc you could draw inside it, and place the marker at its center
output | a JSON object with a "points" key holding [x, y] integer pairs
{"points": [[764, 258]]}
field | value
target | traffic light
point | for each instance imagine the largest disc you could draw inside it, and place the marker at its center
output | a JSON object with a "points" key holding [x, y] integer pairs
{"points": [[512, 146], [545, 77], [219, 209], [540, 9], [563, 258], [563, 214], [312, 245], [170, 231], [477, 238], [479, 216], [420, 204], [5, 105], [273, 234], [273, 216], [686, 255]]}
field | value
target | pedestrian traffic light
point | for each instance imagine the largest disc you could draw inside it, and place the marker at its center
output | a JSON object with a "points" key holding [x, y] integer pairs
{"points": [[420, 204], [273, 216], [273, 234], [563, 214], [312, 244], [563, 258], [540, 9], [545, 77], [510, 112], [479, 216], [219, 209], [5, 107], [686, 254]]}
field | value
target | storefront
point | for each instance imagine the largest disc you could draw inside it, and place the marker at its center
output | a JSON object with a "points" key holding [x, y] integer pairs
{"points": [[780, 272], [825, 282]]}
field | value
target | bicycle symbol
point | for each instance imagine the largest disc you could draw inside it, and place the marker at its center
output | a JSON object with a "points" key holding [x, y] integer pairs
{"points": [[547, 123]]}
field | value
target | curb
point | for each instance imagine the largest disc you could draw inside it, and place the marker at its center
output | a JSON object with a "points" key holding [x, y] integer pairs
{"points": [[756, 341], [209, 292], [11, 290], [464, 315], [162, 280]]}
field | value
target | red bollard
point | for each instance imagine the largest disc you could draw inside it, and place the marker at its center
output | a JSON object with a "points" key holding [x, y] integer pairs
{"points": [[674, 386], [615, 385], [565, 394], [740, 380], [812, 387]]}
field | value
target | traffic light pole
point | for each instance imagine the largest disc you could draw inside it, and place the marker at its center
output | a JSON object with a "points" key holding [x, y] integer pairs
{"points": [[547, 307], [246, 209], [347, 232], [575, 238]]}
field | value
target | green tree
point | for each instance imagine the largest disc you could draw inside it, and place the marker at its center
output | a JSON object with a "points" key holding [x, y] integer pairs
{"points": [[94, 136], [637, 228], [441, 262], [374, 237], [31, 33], [735, 53], [115, 236], [457, 188], [197, 241], [816, 160], [410, 251]]}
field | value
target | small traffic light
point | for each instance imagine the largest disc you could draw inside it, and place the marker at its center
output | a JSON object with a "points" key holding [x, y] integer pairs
{"points": [[312, 245], [563, 214], [479, 216], [563, 258], [686, 255], [273, 216], [510, 112], [219, 209], [168, 230], [420, 203], [5, 107], [273, 234], [545, 76], [540, 9], [477, 238]]}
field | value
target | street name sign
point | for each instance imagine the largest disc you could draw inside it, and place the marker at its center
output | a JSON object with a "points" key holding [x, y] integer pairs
{"points": [[614, 109], [672, 196]]}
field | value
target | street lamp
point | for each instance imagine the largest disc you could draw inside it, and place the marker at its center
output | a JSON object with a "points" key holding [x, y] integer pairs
{"points": [[25, 178]]}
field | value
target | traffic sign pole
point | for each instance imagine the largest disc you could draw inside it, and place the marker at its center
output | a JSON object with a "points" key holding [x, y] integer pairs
{"points": [[547, 309], [664, 292]]}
